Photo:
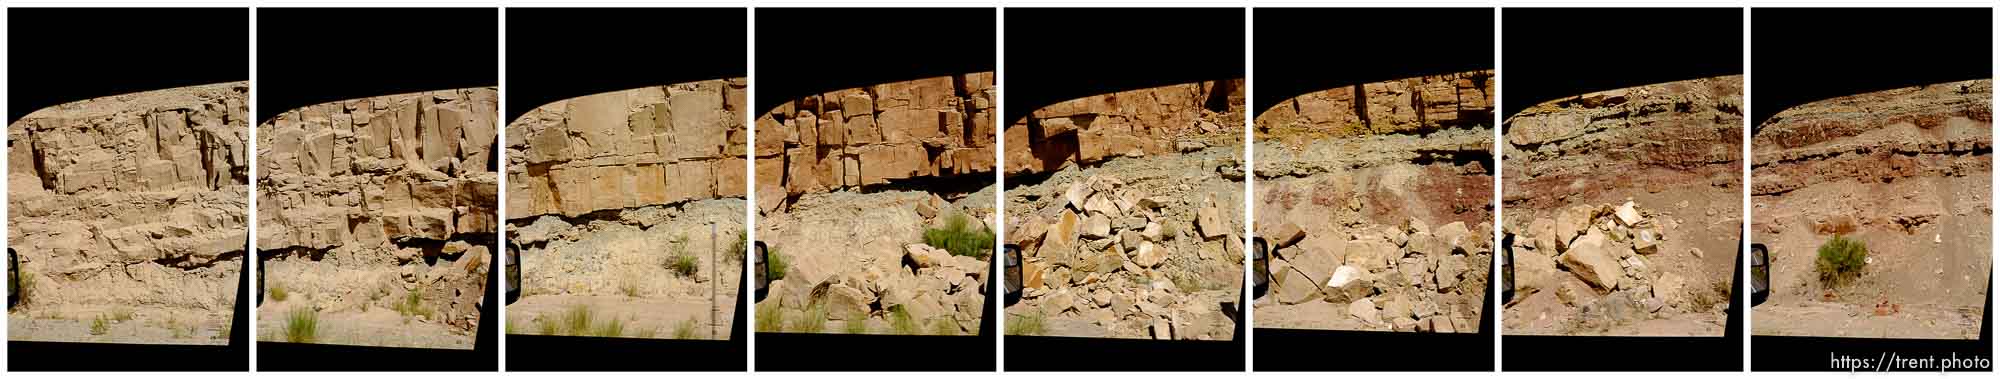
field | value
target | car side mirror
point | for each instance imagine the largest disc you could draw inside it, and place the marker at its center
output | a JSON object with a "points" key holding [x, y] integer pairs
{"points": [[760, 258], [259, 256], [1260, 267], [13, 278], [1507, 269], [1013, 275], [513, 273], [1760, 274]]}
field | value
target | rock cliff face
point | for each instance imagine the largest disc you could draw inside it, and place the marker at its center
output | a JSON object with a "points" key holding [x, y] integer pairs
{"points": [[1625, 207], [861, 192], [1907, 173], [363, 198], [628, 204], [129, 210], [1377, 202], [1131, 234], [1136, 123], [934, 127]]}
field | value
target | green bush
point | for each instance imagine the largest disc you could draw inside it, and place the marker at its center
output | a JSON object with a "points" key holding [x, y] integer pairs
{"points": [[683, 264], [1026, 325], [770, 318], [609, 328], [943, 326], [814, 320], [27, 283], [99, 326], [278, 291], [857, 324], [685, 329], [302, 326], [901, 322], [777, 265], [413, 304], [121, 314], [961, 237], [1841, 258]]}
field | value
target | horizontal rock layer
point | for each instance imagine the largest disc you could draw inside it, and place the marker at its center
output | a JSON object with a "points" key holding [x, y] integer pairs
{"points": [[933, 127], [1159, 120], [1410, 106], [132, 199], [1880, 136], [630, 148]]}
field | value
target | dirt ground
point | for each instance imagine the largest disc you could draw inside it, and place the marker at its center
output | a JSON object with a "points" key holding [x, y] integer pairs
{"points": [[619, 267], [1905, 171], [1673, 152]]}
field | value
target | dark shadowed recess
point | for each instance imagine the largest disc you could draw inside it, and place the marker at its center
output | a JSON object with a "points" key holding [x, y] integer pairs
{"points": [[1296, 55], [60, 55], [1555, 53], [562, 53], [308, 56], [1803, 55], [1060, 54], [809, 51]]}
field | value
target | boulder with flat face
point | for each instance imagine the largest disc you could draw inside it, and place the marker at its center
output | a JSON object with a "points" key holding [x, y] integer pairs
{"points": [[1591, 259]]}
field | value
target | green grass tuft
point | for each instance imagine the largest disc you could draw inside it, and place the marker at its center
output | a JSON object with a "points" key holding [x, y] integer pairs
{"points": [[99, 326], [770, 318], [683, 264], [901, 322], [278, 292], [813, 321], [1026, 325], [121, 314], [685, 330], [961, 236], [777, 265], [302, 326]]}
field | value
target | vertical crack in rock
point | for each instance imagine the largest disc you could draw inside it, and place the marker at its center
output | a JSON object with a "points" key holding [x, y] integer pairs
{"points": [[629, 205], [379, 206], [126, 183]]}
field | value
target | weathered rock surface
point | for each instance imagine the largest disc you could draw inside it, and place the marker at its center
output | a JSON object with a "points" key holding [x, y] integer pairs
{"points": [[352, 193], [132, 203], [1135, 123], [890, 132]]}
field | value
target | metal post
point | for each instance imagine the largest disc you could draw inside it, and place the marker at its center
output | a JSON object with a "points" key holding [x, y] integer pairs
{"points": [[713, 313]]}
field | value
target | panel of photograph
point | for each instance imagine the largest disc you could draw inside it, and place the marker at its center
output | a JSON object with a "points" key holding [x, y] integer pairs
{"points": [[875, 192], [1124, 191], [1622, 188], [378, 193], [1871, 216], [1374, 193], [127, 190], [625, 202]]}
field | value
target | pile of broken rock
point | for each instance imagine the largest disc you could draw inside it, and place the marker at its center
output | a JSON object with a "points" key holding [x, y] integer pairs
{"points": [[931, 285], [1606, 247], [1406, 278], [1107, 258]]}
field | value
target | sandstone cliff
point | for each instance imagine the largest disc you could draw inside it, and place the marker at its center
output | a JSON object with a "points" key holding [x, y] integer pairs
{"points": [[1135, 123], [1377, 202], [364, 198], [128, 211], [628, 205]]}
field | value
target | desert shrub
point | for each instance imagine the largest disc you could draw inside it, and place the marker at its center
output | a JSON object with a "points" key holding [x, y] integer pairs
{"points": [[100, 325], [27, 283], [278, 292], [577, 319], [777, 265], [302, 325], [648, 333], [683, 264], [685, 329], [814, 320], [901, 322], [944, 327], [609, 328], [1026, 325], [961, 237], [121, 314], [413, 305], [629, 286], [739, 247], [548, 325], [770, 318], [1841, 258]]}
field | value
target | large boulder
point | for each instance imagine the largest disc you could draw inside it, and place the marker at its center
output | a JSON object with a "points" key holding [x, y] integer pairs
{"points": [[1572, 222], [1590, 257]]}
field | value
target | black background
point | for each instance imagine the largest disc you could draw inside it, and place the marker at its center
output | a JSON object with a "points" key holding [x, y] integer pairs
{"points": [[1060, 54], [309, 56], [1298, 54], [1054, 55], [1553, 53], [1806, 55], [807, 51], [561, 53], [1802, 55], [60, 55]]}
